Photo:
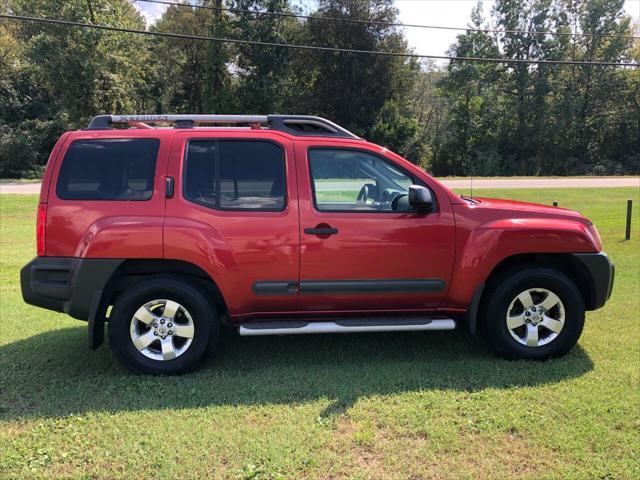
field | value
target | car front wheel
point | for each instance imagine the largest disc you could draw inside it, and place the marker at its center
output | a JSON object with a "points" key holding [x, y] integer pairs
{"points": [[536, 313]]}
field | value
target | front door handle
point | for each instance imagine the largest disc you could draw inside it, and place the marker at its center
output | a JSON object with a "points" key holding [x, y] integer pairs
{"points": [[322, 229]]}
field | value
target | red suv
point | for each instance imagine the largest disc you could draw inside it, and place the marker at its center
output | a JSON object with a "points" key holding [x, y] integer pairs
{"points": [[291, 224]]}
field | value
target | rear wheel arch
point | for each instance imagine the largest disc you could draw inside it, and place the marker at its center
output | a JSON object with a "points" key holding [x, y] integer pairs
{"points": [[132, 271]]}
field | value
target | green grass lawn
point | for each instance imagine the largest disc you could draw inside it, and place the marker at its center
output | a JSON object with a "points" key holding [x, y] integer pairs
{"points": [[401, 406]]}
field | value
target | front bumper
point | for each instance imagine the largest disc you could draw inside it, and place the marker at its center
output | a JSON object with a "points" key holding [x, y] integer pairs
{"points": [[601, 274], [65, 284]]}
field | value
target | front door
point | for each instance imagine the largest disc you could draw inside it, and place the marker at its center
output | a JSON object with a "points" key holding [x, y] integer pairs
{"points": [[362, 246]]}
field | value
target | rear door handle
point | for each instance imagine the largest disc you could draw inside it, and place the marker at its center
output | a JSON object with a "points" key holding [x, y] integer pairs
{"points": [[169, 186], [321, 230]]}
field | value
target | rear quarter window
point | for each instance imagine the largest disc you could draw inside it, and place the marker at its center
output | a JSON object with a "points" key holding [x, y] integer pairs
{"points": [[109, 169]]}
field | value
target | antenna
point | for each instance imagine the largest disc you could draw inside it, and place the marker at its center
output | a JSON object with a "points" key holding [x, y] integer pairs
{"points": [[472, 172]]}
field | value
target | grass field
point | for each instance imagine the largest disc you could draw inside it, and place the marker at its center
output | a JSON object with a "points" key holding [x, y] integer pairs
{"points": [[401, 406]]}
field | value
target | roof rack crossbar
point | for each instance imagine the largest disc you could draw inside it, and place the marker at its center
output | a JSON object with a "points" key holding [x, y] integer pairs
{"points": [[292, 124]]}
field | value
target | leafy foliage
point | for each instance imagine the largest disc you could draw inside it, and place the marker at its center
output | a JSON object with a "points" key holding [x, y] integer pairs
{"points": [[525, 119], [466, 118]]}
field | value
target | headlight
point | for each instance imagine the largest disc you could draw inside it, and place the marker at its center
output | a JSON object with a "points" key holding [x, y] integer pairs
{"points": [[596, 235]]}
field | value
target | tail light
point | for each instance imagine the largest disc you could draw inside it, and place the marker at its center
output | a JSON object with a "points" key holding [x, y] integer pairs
{"points": [[40, 229]]}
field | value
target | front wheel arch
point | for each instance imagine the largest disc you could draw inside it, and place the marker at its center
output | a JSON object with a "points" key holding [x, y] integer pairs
{"points": [[565, 263]]}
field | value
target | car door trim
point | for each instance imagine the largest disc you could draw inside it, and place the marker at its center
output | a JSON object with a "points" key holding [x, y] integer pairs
{"points": [[415, 285], [276, 287]]}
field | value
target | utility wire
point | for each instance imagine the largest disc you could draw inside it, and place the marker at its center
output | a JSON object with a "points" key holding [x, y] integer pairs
{"points": [[390, 24], [310, 47]]}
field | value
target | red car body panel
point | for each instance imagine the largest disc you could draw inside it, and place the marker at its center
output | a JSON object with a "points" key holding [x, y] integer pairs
{"points": [[104, 229], [460, 243], [236, 248], [494, 230], [373, 245]]}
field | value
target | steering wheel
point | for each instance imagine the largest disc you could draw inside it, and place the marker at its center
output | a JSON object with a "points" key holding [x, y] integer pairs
{"points": [[396, 197], [367, 190]]}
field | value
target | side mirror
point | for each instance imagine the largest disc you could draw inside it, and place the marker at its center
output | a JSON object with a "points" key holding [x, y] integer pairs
{"points": [[420, 198]]}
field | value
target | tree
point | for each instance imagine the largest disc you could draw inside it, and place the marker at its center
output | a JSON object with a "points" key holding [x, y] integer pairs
{"points": [[263, 73], [87, 71], [475, 109], [398, 131], [54, 78], [470, 118], [351, 89], [531, 119], [191, 76]]}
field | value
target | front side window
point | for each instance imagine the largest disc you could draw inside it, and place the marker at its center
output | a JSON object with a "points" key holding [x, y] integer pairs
{"points": [[110, 169], [235, 175], [353, 180]]}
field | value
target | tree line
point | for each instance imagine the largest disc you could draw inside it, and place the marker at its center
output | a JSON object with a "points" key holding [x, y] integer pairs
{"points": [[457, 119]]}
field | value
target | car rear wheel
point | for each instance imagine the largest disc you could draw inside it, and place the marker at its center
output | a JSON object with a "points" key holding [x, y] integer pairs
{"points": [[162, 326], [535, 313]]}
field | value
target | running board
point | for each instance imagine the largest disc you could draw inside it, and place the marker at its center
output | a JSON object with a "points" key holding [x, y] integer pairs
{"points": [[355, 325]]}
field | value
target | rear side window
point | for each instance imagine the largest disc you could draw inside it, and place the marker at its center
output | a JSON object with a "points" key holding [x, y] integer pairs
{"points": [[112, 169], [235, 175]]}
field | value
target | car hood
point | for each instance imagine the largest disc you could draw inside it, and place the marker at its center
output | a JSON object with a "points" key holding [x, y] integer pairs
{"points": [[528, 209]]}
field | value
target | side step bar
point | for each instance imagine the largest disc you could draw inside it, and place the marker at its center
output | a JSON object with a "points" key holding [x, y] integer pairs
{"points": [[295, 327]]}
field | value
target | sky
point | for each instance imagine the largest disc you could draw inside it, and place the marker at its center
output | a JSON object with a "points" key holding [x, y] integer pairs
{"points": [[451, 13]]}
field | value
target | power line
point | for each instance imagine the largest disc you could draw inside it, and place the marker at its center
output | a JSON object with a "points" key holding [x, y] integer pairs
{"points": [[391, 24], [311, 47]]}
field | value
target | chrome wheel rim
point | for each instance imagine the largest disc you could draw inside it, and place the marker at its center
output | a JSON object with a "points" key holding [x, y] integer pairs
{"points": [[535, 317], [162, 330]]}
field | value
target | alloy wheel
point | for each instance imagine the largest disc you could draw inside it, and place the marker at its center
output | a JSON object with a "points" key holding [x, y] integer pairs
{"points": [[162, 329], [535, 317]]}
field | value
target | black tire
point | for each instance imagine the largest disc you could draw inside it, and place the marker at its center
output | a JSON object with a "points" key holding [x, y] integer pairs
{"points": [[205, 326], [502, 291]]}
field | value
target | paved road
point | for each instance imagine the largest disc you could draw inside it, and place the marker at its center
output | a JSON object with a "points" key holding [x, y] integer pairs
{"points": [[567, 182], [24, 188], [34, 188]]}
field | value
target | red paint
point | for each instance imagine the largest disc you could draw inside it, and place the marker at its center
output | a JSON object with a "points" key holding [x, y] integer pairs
{"points": [[375, 245], [236, 248], [108, 229], [493, 230], [460, 243]]}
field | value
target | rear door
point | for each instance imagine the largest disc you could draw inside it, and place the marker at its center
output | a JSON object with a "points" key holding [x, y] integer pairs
{"points": [[362, 247], [234, 213]]}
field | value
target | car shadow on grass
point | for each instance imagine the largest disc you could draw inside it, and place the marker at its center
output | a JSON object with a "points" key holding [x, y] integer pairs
{"points": [[55, 374]]}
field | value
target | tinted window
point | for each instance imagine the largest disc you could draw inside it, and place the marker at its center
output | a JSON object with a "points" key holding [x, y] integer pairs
{"points": [[352, 180], [241, 175], [114, 169]]}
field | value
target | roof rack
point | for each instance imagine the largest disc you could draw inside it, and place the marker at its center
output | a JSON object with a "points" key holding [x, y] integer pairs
{"points": [[299, 125]]}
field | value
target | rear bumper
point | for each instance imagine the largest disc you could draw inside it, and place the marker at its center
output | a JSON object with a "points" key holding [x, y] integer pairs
{"points": [[601, 273], [65, 284]]}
